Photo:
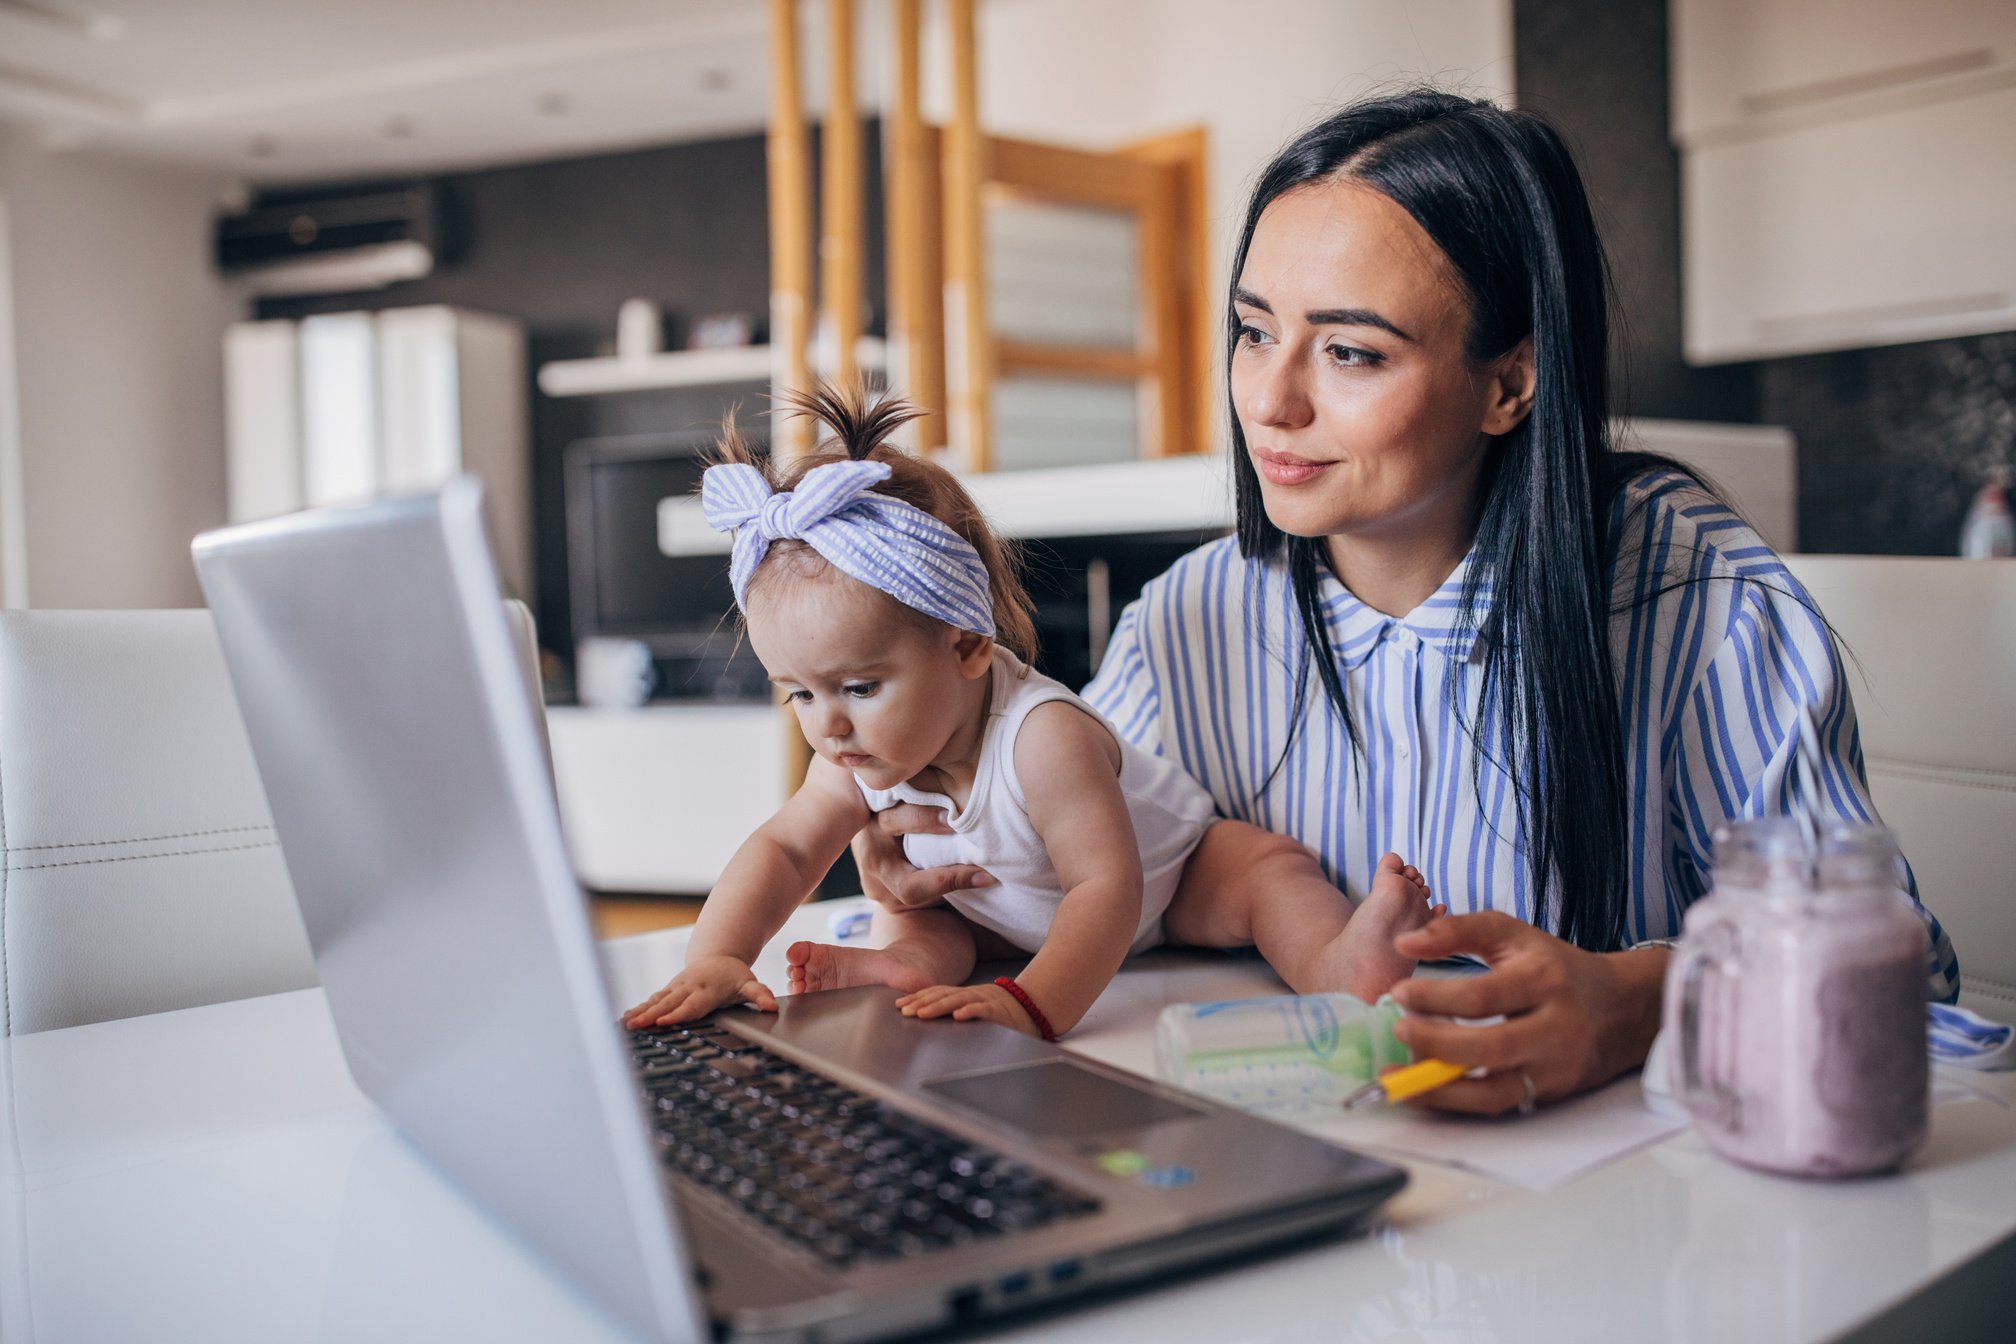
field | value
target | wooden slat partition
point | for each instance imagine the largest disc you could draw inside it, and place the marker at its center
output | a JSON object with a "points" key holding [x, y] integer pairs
{"points": [[968, 345], [1159, 184], [944, 357], [1072, 361], [1068, 176], [841, 227], [1200, 320], [1164, 392], [790, 165], [914, 238], [790, 179]]}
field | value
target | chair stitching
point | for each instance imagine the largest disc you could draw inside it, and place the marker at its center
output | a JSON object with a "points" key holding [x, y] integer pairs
{"points": [[145, 839], [128, 858]]}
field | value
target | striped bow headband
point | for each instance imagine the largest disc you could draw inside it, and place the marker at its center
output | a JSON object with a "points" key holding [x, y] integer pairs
{"points": [[883, 542]]}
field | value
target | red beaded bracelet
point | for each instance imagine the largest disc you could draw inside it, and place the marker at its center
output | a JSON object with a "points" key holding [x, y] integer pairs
{"points": [[1028, 1006]]}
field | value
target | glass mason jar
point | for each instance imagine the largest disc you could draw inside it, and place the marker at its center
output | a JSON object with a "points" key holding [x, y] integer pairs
{"points": [[1797, 999]]}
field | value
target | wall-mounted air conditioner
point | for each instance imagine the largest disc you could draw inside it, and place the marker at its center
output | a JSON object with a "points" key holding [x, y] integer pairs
{"points": [[332, 244]]}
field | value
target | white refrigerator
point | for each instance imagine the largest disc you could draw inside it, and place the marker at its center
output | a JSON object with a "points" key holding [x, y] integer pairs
{"points": [[350, 406]]}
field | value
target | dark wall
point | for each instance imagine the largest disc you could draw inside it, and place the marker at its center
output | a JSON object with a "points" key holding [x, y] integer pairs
{"points": [[560, 245], [1892, 441], [1597, 70]]}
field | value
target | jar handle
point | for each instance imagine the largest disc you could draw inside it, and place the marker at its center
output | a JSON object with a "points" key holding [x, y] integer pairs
{"points": [[1703, 1096]]}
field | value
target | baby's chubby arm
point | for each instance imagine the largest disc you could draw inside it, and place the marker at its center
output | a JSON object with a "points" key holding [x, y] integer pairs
{"points": [[770, 876], [1069, 767]]}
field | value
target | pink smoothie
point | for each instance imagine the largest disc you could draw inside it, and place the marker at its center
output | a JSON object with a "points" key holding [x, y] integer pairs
{"points": [[1811, 1029]]}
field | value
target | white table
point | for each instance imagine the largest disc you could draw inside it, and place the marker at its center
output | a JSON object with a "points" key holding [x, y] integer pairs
{"points": [[212, 1175]]}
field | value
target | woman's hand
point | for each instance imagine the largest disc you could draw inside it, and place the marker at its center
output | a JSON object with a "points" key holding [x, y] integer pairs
{"points": [[707, 983], [888, 878], [1573, 1019]]}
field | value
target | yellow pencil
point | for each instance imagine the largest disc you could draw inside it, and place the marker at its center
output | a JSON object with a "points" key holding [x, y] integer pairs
{"points": [[1408, 1081]]}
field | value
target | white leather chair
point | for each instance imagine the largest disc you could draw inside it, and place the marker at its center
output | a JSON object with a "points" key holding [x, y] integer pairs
{"points": [[1935, 692], [139, 869]]}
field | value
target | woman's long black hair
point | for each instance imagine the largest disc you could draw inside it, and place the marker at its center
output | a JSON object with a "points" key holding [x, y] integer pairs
{"points": [[1498, 192]]}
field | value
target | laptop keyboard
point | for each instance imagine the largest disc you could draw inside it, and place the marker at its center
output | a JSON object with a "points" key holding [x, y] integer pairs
{"points": [[824, 1166]]}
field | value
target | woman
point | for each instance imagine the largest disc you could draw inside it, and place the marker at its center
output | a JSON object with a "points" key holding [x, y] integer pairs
{"points": [[1454, 622]]}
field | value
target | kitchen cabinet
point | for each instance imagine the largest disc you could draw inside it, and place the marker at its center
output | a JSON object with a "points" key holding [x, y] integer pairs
{"points": [[1744, 68], [1848, 172]]}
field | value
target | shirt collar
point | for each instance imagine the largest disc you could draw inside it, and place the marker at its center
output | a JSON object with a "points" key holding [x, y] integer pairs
{"points": [[1356, 629]]}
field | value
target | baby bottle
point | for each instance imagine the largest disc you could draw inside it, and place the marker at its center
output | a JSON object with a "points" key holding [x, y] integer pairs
{"points": [[1281, 1054], [1798, 1000]]}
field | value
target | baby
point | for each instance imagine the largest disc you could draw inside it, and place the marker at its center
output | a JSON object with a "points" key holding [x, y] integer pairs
{"points": [[895, 624]]}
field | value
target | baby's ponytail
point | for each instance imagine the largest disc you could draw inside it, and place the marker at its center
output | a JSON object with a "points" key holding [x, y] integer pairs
{"points": [[857, 425], [857, 421]]}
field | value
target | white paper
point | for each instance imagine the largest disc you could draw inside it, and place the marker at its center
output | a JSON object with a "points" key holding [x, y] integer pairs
{"points": [[1538, 1152]]}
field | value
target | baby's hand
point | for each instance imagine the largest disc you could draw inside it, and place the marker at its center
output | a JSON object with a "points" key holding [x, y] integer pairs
{"points": [[966, 1003], [705, 984]]}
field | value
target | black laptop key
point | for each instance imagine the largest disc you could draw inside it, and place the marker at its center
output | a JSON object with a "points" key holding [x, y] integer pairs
{"points": [[829, 1168]]}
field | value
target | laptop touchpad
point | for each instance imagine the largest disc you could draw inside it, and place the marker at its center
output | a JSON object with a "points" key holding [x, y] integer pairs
{"points": [[1057, 1096]]}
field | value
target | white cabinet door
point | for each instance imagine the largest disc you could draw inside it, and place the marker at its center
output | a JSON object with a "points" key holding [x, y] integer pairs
{"points": [[1747, 67], [1875, 230]]}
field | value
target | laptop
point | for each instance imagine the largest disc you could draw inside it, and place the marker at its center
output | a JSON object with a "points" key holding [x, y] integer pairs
{"points": [[831, 1171]]}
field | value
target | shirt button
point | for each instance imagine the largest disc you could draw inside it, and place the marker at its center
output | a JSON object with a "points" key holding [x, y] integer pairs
{"points": [[1405, 751]]}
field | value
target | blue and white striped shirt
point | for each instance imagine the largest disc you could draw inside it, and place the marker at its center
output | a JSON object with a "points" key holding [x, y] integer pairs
{"points": [[1712, 677]]}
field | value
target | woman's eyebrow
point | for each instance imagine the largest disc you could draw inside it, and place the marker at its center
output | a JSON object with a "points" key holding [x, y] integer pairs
{"points": [[1326, 317]]}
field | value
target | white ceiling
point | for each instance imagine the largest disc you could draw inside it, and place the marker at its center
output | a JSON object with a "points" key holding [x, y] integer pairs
{"points": [[300, 90]]}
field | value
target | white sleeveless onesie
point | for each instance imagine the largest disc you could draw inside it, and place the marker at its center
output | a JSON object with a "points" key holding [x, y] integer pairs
{"points": [[1169, 809]]}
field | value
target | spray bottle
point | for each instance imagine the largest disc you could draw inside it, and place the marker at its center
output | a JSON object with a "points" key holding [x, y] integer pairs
{"points": [[1990, 532]]}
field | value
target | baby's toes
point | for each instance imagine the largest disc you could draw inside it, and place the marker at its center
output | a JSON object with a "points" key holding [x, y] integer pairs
{"points": [[1418, 913]]}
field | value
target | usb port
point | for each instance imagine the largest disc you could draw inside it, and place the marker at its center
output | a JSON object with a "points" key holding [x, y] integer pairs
{"points": [[1064, 1271], [1014, 1283]]}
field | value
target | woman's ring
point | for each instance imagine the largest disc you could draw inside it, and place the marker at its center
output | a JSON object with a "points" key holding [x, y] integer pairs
{"points": [[1526, 1102]]}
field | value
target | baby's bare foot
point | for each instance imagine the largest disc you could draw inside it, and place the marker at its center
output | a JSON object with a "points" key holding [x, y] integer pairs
{"points": [[1361, 961], [817, 966]]}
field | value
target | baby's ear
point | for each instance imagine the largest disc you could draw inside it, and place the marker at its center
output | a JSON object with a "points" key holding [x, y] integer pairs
{"points": [[975, 653]]}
